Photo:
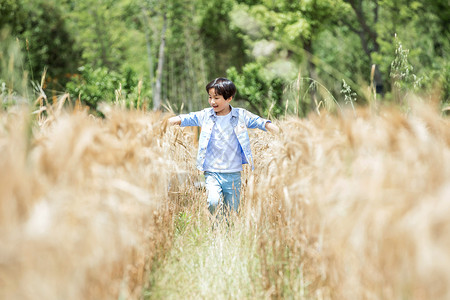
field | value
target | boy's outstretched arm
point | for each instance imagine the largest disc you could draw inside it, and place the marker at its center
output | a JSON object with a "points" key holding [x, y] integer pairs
{"points": [[175, 120], [272, 127]]}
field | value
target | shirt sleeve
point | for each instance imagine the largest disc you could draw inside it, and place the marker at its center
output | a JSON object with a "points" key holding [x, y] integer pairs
{"points": [[192, 119], [255, 121]]}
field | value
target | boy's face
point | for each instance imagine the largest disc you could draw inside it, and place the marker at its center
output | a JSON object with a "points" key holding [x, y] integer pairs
{"points": [[220, 105]]}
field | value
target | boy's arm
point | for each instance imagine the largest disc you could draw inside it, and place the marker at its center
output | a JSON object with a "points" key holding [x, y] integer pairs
{"points": [[175, 120], [255, 121], [191, 119], [272, 127]]}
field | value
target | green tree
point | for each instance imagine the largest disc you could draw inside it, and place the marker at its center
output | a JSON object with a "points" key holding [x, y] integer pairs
{"points": [[100, 31], [41, 29], [96, 85], [14, 83], [261, 93], [315, 42], [12, 14], [281, 35], [419, 26], [224, 47], [184, 73]]}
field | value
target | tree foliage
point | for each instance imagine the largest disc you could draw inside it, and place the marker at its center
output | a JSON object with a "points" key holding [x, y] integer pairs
{"points": [[262, 93], [96, 85], [42, 31], [266, 46]]}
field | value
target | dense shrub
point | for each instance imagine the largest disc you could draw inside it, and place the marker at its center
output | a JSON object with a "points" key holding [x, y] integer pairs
{"points": [[95, 85], [262, 93]]}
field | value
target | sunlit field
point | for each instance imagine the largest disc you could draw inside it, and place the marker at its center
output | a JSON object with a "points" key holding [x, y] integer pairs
{"points": [[352, 205]]}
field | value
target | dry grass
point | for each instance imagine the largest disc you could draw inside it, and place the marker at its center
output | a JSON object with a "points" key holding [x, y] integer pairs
{"points": [[337, 208], [359, 205], [84, 204]]}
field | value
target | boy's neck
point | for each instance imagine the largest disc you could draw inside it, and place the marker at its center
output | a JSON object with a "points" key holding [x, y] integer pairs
{"points": [[224, 113]]}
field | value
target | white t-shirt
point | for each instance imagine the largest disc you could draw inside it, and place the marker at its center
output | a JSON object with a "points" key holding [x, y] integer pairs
{"points": [[223, 148]]}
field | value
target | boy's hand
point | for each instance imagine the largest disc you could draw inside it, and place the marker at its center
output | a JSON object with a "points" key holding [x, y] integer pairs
{"points": [[272, 127], [175, 120]]}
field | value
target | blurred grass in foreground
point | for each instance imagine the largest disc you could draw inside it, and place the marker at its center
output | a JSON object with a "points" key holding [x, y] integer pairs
{"points": [[342, 206]]}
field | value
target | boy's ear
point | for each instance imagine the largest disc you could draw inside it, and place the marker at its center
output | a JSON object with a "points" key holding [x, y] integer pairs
{"points": [[229, 99]]}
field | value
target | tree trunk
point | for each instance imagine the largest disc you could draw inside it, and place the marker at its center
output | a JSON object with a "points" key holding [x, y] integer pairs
{"points": [[368, 36], [157, 90], [99, 28], [312, 74], [146, 21]]}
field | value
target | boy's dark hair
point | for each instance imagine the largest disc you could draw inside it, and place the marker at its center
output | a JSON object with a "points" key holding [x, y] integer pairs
{"points": [[222, 86]]}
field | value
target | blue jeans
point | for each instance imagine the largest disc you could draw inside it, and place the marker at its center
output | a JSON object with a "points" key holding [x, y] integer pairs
{"points": [[223, 186]]}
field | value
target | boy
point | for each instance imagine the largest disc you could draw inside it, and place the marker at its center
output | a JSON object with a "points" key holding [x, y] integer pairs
{"points": [[224, 142]]}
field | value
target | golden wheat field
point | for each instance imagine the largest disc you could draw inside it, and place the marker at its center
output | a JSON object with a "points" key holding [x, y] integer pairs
{"points": [[349, 206]]}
